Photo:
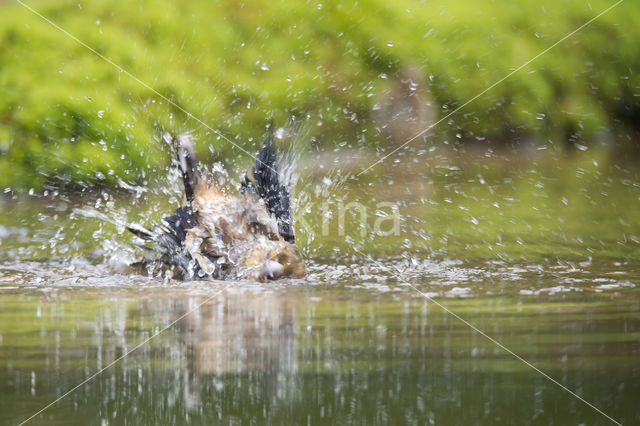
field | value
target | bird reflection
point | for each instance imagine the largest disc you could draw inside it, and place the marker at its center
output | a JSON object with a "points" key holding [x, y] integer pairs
{"points": [[239, 333]]}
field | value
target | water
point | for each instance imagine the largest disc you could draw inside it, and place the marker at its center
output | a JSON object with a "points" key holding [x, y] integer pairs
{"points": [[551, 273], [323, 353]]}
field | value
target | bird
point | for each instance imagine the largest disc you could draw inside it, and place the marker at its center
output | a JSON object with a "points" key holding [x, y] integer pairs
{"points": [[215, 235]]}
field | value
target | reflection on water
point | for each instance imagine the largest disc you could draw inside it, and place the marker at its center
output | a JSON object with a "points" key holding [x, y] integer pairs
{"points": [[240, 334], [310, 352]]}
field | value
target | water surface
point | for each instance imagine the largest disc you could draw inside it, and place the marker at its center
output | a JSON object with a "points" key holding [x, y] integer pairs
{"points": [[550, 272]]}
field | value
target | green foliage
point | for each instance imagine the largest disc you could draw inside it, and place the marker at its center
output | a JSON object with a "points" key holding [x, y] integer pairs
{"points": [[69, 117]]}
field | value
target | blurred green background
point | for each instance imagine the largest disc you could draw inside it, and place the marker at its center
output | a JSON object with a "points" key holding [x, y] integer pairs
{"points": [[347, 69]]}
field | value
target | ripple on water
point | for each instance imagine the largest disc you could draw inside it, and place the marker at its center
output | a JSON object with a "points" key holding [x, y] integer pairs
{"points": [[431, 277]]}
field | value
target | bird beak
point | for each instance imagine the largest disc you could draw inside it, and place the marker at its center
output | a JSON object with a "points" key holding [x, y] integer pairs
{"points": [[272, 270]]}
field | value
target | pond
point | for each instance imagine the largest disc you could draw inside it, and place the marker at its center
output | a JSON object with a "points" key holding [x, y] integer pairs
{"points": [[508, 295]]}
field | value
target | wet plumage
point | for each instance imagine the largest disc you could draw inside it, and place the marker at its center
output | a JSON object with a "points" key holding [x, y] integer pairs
{"points": [[215, 235]]}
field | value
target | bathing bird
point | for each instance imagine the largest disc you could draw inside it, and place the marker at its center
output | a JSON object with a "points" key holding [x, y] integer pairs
{"points": [[215, 235]]}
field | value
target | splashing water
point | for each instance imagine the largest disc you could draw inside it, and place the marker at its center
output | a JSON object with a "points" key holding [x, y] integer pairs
{"points": [[447, 213]]}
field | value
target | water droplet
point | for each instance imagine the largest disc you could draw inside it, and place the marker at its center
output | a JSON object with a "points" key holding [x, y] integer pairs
{"points": [[100, 113], [390, 43]]}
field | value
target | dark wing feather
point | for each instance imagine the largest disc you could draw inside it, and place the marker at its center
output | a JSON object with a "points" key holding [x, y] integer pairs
{"points": [[271, 190], [247, 186], [141, 232], [188, 163], [170, 236], [170, 239]]}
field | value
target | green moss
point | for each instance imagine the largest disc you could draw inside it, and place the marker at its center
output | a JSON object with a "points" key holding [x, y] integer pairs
{"points": [[236, 64]]}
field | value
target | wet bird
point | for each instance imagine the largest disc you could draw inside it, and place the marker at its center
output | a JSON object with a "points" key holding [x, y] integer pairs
{"points": [[214, 235]]}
